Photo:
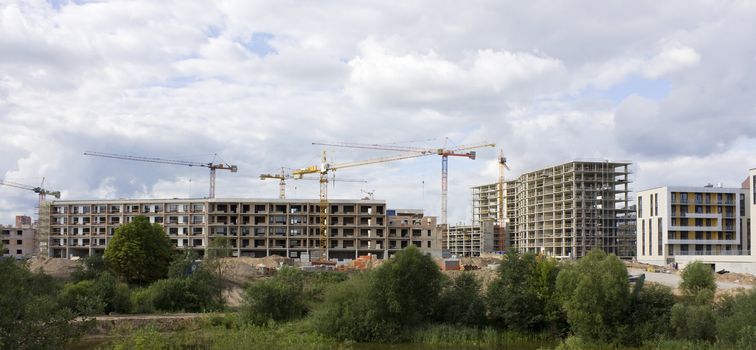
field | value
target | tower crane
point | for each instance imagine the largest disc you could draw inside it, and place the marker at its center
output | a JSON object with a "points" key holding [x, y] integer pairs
{"points": [[36, 189], [502, 208], [443, 152], [323, 169], [42, 192], [283, 176], [212, 166]]}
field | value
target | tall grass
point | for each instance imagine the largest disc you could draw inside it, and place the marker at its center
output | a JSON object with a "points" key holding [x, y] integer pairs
{"points": [[480, 337]]}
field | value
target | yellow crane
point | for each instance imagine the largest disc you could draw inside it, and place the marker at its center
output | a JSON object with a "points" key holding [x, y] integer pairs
{"points": [[443, 152], [42, 192], [502, 208], [283, 176], [323, 169]]}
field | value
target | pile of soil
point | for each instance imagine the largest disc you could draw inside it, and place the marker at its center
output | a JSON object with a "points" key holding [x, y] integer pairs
{"points": [[741, 278], [56, 267]]}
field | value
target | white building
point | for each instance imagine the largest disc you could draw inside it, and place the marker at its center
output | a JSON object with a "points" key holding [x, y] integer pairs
{"points": [[709, 224]]}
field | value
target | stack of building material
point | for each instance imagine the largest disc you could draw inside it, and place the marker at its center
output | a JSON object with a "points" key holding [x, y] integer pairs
{"points": [[451, 265]]}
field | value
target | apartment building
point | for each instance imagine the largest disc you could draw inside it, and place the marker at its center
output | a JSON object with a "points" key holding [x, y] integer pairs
{"points": [[568, 209], [470, 240], [411, 227], [485, 204], [255, 227], [677, 224], [18, 242]]}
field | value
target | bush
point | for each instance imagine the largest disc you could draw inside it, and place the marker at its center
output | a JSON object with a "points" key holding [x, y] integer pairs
{"points": [[407, 285], [693, 322], [698, 278], [378, 306], [91, 268], [737, 323], [460, 302], [521, 297], [102, 295], [649, 317], [30, 316], [279, 298], [596, 297], [350, 312], [196, 293]]}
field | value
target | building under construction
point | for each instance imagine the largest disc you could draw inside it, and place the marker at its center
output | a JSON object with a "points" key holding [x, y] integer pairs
{"points": [[254, 227], [562, 211]]}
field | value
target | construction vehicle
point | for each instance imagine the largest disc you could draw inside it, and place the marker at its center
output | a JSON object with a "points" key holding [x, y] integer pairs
{"points": [[212, 166], [323, 169], [443, 152], [283, 176]]}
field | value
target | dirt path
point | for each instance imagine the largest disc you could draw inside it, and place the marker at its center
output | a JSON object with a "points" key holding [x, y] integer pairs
{"points": [[673, 280]]}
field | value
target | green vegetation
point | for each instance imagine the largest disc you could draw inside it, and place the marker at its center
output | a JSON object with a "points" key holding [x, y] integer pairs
{"points": [[31, 316], [139, 252], [280, 298], [460, 302]]}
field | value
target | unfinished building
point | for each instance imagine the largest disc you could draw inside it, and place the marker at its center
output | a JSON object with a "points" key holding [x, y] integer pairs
{"points": [[470, 240], [255, 227], [568, 209], [411, 227], [485, 204]]}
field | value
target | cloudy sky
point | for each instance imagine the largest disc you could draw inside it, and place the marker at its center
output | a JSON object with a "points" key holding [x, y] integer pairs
{"points": [[670, 86]]}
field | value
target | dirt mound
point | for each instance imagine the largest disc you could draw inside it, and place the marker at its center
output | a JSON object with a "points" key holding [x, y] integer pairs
{"points": [[55, 267], [740, 278]]}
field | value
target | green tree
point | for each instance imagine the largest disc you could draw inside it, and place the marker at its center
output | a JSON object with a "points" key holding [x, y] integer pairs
{"points": [[596, 297], [460, 302], [377, 306], [139, 252], [91, 268], [736, 325], [31, 317], [279, 298], [698, 282], [693, 322], [649, 316], [521, 296], [218, 250]]}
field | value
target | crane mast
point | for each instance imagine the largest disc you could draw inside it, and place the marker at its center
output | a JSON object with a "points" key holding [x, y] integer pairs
{"points": [[323, 169], [212, 166], [502, 207]]}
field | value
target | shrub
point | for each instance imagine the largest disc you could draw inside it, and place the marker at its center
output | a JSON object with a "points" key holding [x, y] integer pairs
{"points": [[521, 297], [102, 295], [596, 297], [91, 268], [698, 278], [460, 302], [649, 314], [378, 306], [350, 312], [737, 324], [141, 301], [30, 316], [693, 322], [279, 298]]}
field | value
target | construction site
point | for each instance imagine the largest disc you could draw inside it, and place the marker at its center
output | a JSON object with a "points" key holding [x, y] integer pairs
{"points": [[561, 211]]}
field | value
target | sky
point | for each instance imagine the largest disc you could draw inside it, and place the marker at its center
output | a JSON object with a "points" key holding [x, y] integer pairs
{"points": [[669, 86]]}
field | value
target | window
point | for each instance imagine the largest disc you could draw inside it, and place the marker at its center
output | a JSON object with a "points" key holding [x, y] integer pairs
{"points": [[19, 252], [659, 236], [19, 242], [656, 204], [650, 238], [742, 204], [753, 188], [643, 237], [684, 198], [640, 206]]}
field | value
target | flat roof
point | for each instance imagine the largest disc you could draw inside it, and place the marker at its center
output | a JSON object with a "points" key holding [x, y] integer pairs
{"points": [[213, 200]]}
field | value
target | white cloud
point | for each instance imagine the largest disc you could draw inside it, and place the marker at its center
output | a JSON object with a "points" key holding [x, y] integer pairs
{"points": [[181, 80]]}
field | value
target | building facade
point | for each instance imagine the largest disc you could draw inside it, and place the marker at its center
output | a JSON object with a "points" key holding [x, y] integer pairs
{"points": [[485, 204], [17, 241], [470, 240], [710, 224], [566, 210], [254, 227], [411, 227]]}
